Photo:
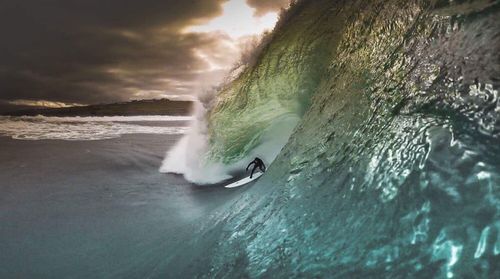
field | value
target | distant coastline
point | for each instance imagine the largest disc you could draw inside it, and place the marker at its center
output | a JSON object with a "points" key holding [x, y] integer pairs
{"points": [[141, 107]]}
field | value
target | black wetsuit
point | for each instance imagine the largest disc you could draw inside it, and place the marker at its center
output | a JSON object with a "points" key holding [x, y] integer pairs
{"points": [[257, 164]]}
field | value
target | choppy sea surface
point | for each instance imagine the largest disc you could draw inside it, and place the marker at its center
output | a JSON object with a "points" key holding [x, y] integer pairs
{"points": [[89, 128]]}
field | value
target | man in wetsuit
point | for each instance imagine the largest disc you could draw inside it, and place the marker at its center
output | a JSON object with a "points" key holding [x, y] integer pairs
{"points": [[257, 164]]}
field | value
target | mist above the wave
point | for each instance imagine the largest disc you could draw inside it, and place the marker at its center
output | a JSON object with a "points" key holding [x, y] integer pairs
{"points": [[188, 156]]}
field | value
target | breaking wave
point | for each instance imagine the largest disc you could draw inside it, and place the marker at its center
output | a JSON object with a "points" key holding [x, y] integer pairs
{"points": [[86, 128], [393, 169]]}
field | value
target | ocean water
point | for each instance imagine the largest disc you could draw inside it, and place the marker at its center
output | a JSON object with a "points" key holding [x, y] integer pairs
{"points": [[393, 170], [89, 128], [75, 206]]}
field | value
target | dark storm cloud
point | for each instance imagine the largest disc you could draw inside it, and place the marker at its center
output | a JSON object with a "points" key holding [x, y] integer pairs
{"points": [[264, 6], [89, 51]]}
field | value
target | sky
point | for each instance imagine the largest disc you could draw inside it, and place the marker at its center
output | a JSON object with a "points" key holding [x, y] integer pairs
{"points": [[59, 53]]}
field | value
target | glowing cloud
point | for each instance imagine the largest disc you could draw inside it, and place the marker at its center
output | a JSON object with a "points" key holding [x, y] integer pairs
{"points": [[237, 21]]}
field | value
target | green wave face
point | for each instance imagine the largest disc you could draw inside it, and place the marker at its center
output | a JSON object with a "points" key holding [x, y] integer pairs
{"points": [[394, 168], [274, 90]]}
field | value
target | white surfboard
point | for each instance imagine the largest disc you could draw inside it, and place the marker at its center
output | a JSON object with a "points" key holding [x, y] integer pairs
{"points": [[244, 180]]}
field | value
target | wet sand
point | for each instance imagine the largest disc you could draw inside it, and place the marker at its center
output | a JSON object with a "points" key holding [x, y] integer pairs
{"points": [[95, 209]]}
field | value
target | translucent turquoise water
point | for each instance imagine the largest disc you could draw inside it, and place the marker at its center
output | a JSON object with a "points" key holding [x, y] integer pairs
{"points": [[394, 169]]}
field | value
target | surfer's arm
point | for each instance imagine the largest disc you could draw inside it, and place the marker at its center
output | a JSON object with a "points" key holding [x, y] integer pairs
{"points": [[250, 165]]}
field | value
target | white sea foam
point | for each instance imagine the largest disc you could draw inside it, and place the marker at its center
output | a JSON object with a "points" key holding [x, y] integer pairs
{"points": [[189, 156], [84, 128], [140, 118]]}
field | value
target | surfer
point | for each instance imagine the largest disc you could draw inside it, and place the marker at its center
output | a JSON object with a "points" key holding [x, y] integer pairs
{"points": [[257, 164]]}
